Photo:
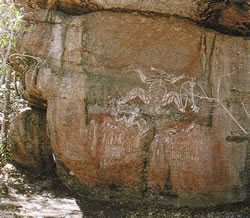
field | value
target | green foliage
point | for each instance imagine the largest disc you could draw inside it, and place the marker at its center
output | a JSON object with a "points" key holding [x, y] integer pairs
{"points": [[10, 26], [10, 22], [4, 155]]}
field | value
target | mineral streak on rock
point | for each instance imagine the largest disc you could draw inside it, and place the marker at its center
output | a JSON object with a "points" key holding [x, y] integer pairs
{"points": [[139, 106]]}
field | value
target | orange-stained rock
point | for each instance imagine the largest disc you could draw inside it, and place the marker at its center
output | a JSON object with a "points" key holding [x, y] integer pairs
{"points": [[150, 106]]}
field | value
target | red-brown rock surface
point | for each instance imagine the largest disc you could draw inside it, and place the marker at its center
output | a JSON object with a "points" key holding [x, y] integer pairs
{"points": [[147, 106]]}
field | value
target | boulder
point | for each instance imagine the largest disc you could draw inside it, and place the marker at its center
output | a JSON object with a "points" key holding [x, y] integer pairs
{"points": [[140, 108], [29, 144]]}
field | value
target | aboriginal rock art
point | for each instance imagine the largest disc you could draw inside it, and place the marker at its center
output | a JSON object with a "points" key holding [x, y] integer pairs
{"points": [[159, 168], [112, 140], [163, 90], [131, 118]]}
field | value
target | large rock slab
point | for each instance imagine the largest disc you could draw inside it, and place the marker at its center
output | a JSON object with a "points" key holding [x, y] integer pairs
{"points": [[142, 108], [230, 17], [183, 8], [190, 9]]}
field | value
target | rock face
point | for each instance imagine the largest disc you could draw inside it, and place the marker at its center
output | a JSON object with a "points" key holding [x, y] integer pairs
{"points": [[141, 108], [227, 16], [30, 148]]}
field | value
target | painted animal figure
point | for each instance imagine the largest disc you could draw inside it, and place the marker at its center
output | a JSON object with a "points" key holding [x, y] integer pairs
{"points": [[158, 94]]}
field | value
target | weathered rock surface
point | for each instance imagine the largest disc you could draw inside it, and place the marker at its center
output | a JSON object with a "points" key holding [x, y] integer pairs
{"points": [[229, 16], [189, 8], [29, 146], [144, 108]]}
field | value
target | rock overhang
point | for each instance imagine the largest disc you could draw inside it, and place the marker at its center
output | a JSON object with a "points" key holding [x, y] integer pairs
{"points": [[92, 64], [229, 17]]}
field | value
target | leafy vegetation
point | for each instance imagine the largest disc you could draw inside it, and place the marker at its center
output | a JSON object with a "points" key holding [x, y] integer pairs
{"points": [[11, 24]]}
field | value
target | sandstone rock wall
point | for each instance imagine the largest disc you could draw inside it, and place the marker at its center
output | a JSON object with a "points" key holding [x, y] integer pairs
{"points": [[141, 107]]}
